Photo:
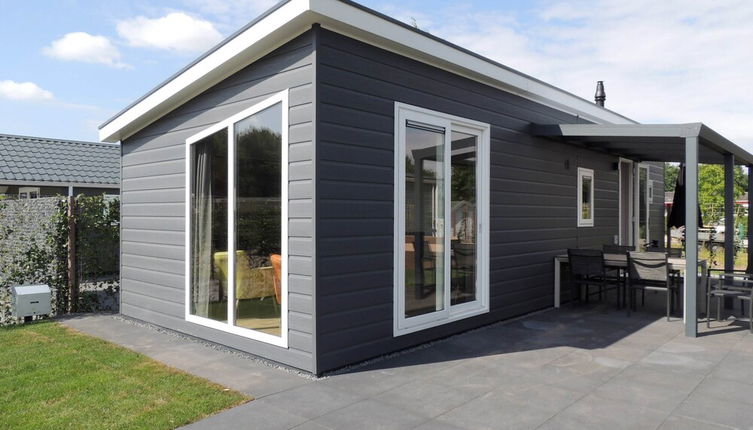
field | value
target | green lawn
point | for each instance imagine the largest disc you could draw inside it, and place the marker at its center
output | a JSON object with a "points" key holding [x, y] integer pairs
{"points": [[52, 377]]}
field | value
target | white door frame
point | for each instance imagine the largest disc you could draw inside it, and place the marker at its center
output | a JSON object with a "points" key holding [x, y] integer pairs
{"points": [[637, 204], [631, 225]]}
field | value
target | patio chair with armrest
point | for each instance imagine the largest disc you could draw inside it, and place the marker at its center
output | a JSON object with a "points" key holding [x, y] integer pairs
{"points": [[737, 284], [649, 271], [587, 269]]}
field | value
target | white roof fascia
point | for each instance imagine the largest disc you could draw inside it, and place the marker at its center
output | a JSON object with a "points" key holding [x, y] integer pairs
{"points": [[295, 17]]}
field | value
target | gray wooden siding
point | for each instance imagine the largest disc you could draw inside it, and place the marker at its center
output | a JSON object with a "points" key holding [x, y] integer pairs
{"points": [[533, 196], [153, 199]]}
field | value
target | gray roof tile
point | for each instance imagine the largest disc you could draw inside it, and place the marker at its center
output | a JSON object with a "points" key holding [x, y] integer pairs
{"points": [[25, 158]]}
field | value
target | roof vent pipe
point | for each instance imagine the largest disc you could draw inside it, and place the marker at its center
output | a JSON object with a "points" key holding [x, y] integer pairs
{"points": [[600, 96]]}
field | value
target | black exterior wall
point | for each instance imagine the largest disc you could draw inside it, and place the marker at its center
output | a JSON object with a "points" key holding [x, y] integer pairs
{"points": [[532, 209]]}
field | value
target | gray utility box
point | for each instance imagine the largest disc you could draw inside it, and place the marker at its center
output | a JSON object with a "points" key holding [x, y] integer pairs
{"points": [[30, 300]]}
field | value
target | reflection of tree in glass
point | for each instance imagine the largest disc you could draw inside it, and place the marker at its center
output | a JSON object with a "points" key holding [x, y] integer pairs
{"points": [[464, 182], [259, 165]]}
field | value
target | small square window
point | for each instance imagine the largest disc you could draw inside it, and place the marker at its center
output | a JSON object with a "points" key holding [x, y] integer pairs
{"points": [[585, 197]]}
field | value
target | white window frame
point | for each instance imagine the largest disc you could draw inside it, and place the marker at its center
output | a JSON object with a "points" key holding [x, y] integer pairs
{"points": [[26, 191], [228, 327], [586, 222], [401, 324]]}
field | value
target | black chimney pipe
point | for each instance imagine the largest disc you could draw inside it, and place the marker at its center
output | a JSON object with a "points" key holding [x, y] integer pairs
{"points": [[600, 96]]}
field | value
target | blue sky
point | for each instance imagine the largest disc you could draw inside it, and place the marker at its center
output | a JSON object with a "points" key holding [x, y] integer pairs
{"points": [[68, 65]]}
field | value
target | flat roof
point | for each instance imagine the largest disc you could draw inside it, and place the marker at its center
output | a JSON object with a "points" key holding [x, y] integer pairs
{"points": [[290, 18], [648, 142]]}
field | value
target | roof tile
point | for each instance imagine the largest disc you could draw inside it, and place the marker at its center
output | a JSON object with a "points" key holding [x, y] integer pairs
{"points": [[26, 158]]}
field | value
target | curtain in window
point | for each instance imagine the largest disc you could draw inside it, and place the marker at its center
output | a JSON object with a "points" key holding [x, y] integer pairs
{"points": [[201, 230]]}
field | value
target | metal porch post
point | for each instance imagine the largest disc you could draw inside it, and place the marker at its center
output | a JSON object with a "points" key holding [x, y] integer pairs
{"points": [[729, 212], [750, 219], [691, 237]]}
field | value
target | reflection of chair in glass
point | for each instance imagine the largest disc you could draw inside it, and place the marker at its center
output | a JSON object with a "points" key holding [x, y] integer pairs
{"points": [[250, 283], [463, 271], [276, 260]]}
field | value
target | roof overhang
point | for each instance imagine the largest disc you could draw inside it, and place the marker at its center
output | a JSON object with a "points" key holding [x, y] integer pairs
{"points": [[290, 18], [648, 142]]}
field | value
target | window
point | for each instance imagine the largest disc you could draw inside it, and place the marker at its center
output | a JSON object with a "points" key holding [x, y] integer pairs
{"points": [[28, 192], [236, 238], [585, 197], [441, 218]]}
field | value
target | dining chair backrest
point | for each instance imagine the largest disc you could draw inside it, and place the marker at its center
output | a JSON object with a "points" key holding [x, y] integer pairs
{"points": [[586, 262], [617, 249], [648, 266]]}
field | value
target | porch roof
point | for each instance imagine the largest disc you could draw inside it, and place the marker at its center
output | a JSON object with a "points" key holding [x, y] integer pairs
{"points": [[649, 142]]}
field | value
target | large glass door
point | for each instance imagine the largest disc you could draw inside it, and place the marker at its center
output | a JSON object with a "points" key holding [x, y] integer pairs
{"points": [[439, 213]]}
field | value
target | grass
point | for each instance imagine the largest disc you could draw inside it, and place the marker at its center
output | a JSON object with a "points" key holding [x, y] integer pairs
{"points": [[52, 377]]}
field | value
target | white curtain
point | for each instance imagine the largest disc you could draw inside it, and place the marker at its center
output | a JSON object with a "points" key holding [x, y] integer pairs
{"points": [[201, 228]]}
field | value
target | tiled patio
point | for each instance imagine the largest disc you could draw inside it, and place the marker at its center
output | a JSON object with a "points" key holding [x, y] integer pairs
{"points": [[574, 368]]}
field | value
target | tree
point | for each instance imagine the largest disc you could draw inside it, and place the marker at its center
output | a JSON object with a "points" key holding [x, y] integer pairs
{"points": [[670, 176], [711, 190]]}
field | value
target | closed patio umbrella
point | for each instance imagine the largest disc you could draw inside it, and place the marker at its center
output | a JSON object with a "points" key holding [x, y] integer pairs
{"points": [[677, 213]]}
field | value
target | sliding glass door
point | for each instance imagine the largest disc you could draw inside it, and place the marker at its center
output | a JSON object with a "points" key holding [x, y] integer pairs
{"points": [[237, 224], [441, 200]]}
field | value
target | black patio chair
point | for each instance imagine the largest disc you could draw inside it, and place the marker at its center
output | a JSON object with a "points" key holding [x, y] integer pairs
{"points": [[736, 284], [649, 271], [587, 269]]}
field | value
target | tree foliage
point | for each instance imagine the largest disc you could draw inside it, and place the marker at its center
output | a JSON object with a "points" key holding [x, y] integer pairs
{"points": [[710, 188]]}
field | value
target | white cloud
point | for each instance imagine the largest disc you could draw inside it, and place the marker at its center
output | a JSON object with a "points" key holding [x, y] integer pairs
{"points": [[662, 61], [230, 14], [24, 91], [175, 31], [81, 46]]}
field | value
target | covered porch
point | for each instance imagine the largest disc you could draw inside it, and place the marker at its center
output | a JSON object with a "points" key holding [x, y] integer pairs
{"points": [[691, 144]]}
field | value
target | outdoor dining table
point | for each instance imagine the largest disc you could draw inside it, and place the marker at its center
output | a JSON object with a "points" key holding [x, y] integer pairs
{"points": [[619, 261]]}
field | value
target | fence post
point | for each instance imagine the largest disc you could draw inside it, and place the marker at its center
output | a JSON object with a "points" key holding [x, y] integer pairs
{"points": [[72, 278]]}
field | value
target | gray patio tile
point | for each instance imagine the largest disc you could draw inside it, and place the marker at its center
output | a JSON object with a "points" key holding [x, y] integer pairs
{"points": [[247, 376], [643, 393], [724, 389], [439, 425], [598, 413], [724, 412], [735, 367], [425, 398], [476, 378], [265, 417], [366, 383], [371, 414], [684, 423], [676, 362], [501, 410], [312, 400], [310, 425]]}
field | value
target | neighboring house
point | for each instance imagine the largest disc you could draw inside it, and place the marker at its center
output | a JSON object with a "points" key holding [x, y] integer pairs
{"points": [[373, 187], [32, 167]]}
